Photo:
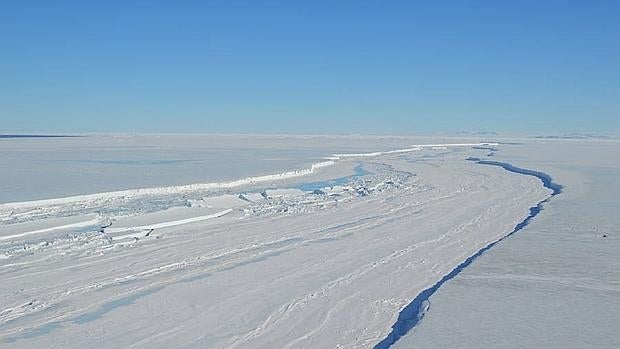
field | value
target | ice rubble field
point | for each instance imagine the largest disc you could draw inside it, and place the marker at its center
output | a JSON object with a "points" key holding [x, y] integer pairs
{"points": [[259, 262]]}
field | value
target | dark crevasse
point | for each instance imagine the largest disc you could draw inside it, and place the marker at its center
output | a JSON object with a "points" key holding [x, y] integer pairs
{"points": [[411, 314], [545, 178]]}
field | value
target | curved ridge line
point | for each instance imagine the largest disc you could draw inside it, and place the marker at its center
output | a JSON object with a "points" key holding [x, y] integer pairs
{"points": [[169, 190], [414, 312], [132, 193]]}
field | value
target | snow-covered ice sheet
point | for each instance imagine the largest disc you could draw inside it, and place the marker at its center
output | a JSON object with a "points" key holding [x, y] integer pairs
{"points": [[43, 168], [555, 284], [260, 265]]}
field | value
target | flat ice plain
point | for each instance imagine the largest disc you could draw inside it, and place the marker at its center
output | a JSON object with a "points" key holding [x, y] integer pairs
{"points": [[555, 284], [253, 242]]}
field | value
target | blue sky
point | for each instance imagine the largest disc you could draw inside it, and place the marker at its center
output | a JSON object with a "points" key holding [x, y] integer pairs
{"points": [[381, 67]]}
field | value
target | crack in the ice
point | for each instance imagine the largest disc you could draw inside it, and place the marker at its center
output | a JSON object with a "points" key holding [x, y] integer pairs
{"points": [[414, 312]]}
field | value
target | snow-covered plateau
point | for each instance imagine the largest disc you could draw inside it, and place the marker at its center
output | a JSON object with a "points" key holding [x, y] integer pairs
{"points": [[332, 248]]}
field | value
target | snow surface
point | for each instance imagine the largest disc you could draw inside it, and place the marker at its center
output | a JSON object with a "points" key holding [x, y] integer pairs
{"points": [[255, 265], [44, 168], [556, 284]]}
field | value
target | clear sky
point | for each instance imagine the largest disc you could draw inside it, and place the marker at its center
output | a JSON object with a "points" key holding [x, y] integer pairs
{"points": [[310, 66]]}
